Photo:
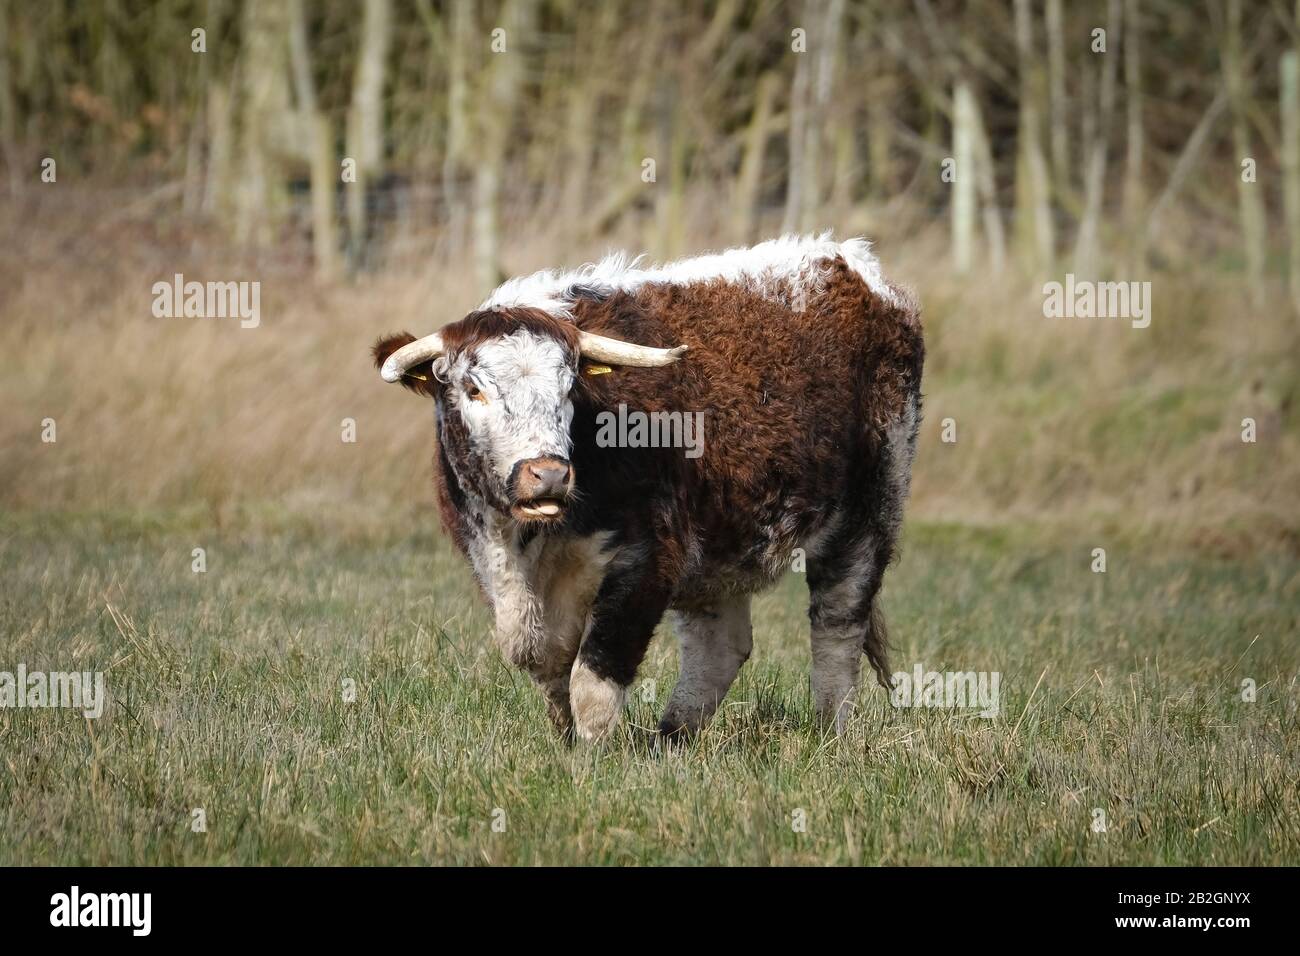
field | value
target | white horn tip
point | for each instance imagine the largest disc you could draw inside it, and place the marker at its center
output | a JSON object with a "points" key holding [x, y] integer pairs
{"points": [[390, 373]]}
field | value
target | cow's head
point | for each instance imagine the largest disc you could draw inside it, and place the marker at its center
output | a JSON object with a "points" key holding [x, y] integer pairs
{"points": [[502, 380]]}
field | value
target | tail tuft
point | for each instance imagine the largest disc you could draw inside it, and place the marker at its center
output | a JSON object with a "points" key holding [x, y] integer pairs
{"points": [[876, 646]]}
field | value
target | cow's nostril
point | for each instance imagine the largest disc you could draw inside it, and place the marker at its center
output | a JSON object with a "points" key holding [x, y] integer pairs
{"points": [[552, 477], [545, 478]]}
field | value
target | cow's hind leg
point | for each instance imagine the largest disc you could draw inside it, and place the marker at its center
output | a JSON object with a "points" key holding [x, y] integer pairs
{"points": [[845, 623], [844, 575], [715, 641]]}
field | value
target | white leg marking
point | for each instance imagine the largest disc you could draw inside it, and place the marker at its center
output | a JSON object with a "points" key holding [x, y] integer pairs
{"points": [[597, 703]]}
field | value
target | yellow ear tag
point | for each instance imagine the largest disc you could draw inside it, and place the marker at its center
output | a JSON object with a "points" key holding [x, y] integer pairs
{"points": [[422, 378], [598, 370]]}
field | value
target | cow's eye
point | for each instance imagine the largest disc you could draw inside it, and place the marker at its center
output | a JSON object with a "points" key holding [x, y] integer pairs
{"points": [[474, 392]]}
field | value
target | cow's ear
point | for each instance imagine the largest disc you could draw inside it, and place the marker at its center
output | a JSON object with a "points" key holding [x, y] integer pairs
{"points": [[418, 378]]}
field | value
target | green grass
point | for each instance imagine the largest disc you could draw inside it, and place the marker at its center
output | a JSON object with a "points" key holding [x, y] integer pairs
{"points": [[1119, 692]]}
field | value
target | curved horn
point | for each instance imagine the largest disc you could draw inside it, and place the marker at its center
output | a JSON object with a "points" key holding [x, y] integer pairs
{"points": [[625, 353], [413, 353]]}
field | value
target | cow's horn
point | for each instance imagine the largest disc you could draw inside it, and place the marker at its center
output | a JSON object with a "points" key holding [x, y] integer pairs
{"points": [[625, 353], [413, 353]]}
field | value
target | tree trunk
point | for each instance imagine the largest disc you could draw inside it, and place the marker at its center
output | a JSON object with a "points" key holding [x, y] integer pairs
{"points": [[800, 106], [1035, 242], [8, 113], [496, 117], [830, 27], [1059, 113], [986, 170], [1086, 242], [744, 203], [1250, 203], [458, 113], [1134, 192], [259, 202], [221, 143], [365, 130], [670, 196], [810, 99], [318, 147], [1185, 163], [963, 195], [880, 138], [1290, 108]]}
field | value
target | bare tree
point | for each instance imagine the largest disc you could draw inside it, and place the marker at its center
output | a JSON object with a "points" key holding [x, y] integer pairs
{"points": [[365, 130], [963, 197], [317, 145], [810, 94], [1035, 240], [500, 95], [744, 204], [1060, 114], [1096, 138], [986, 181], [8, 113], [259, 199], [1134, 195], [1250, 203], [456, 155], [1290, 109]]}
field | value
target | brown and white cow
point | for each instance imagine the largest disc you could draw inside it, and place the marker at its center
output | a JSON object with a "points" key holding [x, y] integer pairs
{"points": [[806, 365]]}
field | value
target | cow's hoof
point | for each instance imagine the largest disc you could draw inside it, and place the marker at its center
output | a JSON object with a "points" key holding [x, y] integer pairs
{"points": [[561, 720], [597, 702], [679, 726]]}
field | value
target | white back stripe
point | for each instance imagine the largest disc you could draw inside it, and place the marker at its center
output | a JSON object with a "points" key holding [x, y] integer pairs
{"points": [[777, 269]]}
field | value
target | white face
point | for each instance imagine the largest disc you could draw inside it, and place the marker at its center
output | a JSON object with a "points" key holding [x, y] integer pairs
{"points": [[513, 395]]}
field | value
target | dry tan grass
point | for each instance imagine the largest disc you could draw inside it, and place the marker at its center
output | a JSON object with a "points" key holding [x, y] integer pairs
{"points": [[1087, 421]]}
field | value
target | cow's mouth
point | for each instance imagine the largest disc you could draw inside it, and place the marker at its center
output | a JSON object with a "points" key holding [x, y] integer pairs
{"points": [[538, 509]]}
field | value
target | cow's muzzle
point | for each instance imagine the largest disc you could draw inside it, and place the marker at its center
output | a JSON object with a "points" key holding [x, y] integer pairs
{"points": [[541, 486]]}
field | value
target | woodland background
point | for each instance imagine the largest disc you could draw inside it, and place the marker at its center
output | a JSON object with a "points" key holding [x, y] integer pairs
{"points": [[491, 139]]}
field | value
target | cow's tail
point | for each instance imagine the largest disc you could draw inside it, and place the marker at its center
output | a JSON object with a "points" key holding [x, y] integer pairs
{"points": [[876, 646]]}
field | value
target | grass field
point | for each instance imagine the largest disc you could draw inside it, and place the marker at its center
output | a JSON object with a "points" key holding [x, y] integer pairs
{"points": [[1121, 692]]}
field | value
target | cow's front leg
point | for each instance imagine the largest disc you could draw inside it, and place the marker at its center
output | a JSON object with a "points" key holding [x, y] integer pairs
{"points": [[555, 691], [547, 657], [627, 608], [569, 580], [542, 615]]}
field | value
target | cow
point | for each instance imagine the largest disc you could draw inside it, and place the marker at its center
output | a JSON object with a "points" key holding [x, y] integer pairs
{"points": [[803, 365]]}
